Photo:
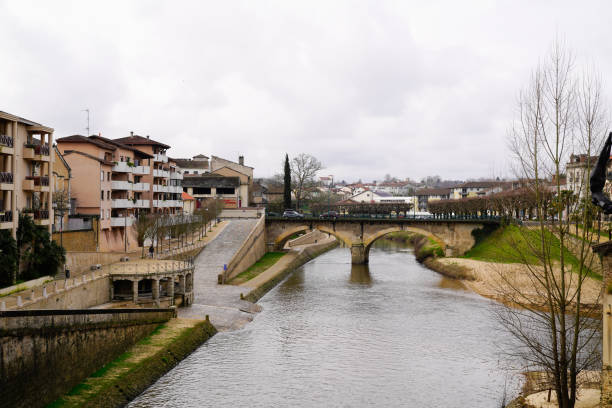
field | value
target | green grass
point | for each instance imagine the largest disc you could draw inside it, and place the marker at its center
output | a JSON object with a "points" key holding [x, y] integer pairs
{"points": [[102, 372], [19, 288], [147, 340], [514, 244], [258, 267]]}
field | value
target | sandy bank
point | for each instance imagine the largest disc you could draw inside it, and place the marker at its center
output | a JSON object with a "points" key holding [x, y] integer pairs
{"points": [[492, 279]]}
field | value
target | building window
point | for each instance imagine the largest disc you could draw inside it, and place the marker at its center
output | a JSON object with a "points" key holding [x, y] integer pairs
{"points": [[101, 214], [102, 195], [108, 176], [186, 172], [201, 190], [195, 172], [226, 190], [101, 175], [108, 195]]}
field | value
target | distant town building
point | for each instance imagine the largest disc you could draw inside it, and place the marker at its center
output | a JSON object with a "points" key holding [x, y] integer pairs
{"points": [[578, 172], [196, 166], [223, 187], [425, 195], [478, 188]]}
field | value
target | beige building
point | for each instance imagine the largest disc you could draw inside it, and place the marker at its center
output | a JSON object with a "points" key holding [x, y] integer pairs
{"points": [[26, 167], [165, 176], [61, 193], [213, 186]]}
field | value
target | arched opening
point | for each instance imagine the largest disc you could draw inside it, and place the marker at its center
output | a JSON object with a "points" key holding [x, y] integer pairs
{"points": [[122, 289], [280, 241], [373, 238], [145, 288]]}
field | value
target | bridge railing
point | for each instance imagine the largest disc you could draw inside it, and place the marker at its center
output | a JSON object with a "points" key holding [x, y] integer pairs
{"points": [[408, 217]]}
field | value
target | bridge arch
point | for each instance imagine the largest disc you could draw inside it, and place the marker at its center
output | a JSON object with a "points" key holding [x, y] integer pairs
{"points": [[379, 234], [280, 241]]}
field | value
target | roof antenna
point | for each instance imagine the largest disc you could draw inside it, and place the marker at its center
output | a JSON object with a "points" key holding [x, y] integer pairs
{"points": [[87, 110]]}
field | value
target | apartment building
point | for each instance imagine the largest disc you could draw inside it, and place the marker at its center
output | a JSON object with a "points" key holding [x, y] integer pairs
{"points": [[25, 170], [478, 189], [214, 186], [425, 195], [165, 178], [107, 182]]}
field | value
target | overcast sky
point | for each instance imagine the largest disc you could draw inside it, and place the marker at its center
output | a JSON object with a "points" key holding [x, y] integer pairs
{"points": [[410, 88]]}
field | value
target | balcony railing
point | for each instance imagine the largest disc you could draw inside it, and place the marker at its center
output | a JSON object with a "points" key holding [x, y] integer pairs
{"points": [[41, 214], [161, 173], [141, 170], [122, 221], [6, 216], [141, 204], [140, 187], [122, 167], [39, 181], [121, 185], [175, 175], [6, 141], [160, 157], [42, 150], [122, 203], [6, 177]]}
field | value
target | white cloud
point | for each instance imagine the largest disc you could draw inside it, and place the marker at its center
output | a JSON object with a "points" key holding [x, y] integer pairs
{"points": [[369, 87]]}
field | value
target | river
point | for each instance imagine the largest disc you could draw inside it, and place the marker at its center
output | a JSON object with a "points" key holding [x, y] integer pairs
{"points": [[339, 335]]}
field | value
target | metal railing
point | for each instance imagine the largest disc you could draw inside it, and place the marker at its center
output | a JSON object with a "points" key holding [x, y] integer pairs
{"points": [[41, 214], [6, 141], [6, 177], [6, 216]]}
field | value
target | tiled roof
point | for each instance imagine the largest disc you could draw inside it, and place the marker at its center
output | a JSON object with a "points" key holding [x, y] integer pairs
{"points": [[84, 139], [186, 196], [69, 152], [121, 145], [135, 140], [191, 164]]}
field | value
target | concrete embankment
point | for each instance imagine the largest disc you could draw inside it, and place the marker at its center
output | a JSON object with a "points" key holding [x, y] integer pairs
{"points": [[44, 353], [261, 284], [123, 379]]}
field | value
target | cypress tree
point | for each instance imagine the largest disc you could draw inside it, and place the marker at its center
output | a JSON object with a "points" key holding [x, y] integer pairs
{"points": [[287, 180]]}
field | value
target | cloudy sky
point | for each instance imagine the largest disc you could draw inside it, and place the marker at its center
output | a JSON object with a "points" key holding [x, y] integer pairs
{"points": [[410, 88]]}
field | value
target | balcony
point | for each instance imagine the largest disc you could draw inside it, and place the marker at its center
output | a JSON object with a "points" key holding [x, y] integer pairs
{"points": [[35, 152], [141, 170], [121, 185], [6, 219], [158, 188], [6, 180], [122, 221], [36, 183], [6, 144], [41, 217], [141, 204], [140, 187], [122, 167], [175, 175], [175, 189], [122, 203], [174, 203], [6, 141], [161, 173], [161, 203], [160, 157]]}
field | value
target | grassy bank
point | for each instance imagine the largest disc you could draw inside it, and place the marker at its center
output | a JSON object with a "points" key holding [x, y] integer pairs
{"points": [[515, 244], [121, 380], [258, 267]]}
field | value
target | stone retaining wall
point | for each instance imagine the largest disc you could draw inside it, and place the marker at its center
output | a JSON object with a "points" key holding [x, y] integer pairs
{"points": [[253, 248], [44, 353]]}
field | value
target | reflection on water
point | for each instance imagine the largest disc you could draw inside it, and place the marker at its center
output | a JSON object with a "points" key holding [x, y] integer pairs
{"points": [[334, 334], [361, 274]]}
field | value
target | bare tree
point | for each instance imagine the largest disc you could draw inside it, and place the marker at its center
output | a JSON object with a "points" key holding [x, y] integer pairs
{"points": [[144, 226], [551, 328], [304, 168]]}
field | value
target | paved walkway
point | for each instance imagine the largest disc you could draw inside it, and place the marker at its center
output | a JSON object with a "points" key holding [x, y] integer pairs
{"points": [[221, 302]]}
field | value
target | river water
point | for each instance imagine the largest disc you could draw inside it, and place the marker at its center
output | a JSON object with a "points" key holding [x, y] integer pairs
{"points": [[339, 335]]}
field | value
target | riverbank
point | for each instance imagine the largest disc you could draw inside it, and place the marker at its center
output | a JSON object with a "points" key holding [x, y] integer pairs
{"points": [[121, 380], [260, 285]]}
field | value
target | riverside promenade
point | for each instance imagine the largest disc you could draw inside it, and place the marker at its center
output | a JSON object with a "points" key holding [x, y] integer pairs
{"points": [[221, 302]]}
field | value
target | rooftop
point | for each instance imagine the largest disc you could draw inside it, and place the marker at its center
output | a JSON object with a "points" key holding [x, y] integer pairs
{"points": [[136, 140], [211, 181]]}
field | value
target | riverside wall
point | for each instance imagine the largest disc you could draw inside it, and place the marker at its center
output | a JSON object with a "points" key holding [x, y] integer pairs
{"points": [[44, 353], [253, 248], [300, 257]]}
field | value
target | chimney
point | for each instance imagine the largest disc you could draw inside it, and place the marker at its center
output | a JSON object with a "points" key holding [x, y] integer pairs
{"points": [[147, 136], [131, 133], [241, 160]]}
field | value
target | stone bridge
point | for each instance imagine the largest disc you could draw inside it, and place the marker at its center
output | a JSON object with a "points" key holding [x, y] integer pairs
{"points": [[453, 235]]}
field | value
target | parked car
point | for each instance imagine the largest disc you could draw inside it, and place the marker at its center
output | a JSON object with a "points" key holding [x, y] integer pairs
{"points": [[272, 214], [331, 215], [292, 214]]}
